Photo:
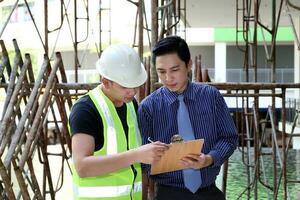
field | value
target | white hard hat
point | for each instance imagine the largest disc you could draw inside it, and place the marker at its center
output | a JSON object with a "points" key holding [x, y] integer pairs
{"points": [[121, 64]]}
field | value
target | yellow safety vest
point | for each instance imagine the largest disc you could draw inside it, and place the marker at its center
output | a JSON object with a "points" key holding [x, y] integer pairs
{"points": [[119, 185]]}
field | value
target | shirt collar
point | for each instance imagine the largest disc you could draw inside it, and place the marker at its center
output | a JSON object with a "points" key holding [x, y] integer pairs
{"points": [[187, 93]]}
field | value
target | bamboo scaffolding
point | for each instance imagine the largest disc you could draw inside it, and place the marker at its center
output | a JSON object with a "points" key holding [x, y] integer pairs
{"points": [[35, 184], [6, 180], [12, 104], [20, 126], [5, 61], [21, 181], [51, 81], [9, 99], [11, 83], [47, 172]]}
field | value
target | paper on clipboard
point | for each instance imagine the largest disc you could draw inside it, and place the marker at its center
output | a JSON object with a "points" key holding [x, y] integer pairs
{"points": [[170, 161]]}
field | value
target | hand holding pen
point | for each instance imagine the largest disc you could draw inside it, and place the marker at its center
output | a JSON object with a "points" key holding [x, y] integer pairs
{"points": [[149, 140], [151, 152]]}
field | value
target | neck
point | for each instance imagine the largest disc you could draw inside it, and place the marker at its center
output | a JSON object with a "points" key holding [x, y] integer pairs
{"points": [[181, 90]]}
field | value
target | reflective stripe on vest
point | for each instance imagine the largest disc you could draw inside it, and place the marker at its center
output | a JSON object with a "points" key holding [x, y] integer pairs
{"points": [[106, 191], [137, 132], [112, 147]]}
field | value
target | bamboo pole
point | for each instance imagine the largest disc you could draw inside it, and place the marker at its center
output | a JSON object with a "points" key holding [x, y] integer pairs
{"points": [[10, 89], [10, 109], [21, 181], [27, 127], [35, 184], [61, 138], [64, 119], [5, 60], [39, 126], [47, 172], [6, 180], [20, 126], [11, 83], [64, 80], [33, 129]]}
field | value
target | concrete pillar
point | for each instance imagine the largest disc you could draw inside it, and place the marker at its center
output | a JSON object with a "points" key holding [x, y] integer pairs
{"points": [[296, 140], [220, 62], [297, 58]]}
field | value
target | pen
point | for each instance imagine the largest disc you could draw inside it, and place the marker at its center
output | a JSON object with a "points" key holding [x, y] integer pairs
{"points": [[149, 140]]}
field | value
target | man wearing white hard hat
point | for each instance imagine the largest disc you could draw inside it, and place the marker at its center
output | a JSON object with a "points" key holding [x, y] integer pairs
{"points": [[106, 140]]}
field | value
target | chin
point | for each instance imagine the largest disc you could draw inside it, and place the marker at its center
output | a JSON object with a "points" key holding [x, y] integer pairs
{"points": [[173, 89], [127, 100]]}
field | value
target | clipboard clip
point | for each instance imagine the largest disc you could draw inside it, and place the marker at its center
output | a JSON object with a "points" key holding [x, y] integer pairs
{"points": [[176, 139]]}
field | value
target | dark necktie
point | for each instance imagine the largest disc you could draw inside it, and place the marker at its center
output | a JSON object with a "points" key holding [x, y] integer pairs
{"points": [[192, 177]]}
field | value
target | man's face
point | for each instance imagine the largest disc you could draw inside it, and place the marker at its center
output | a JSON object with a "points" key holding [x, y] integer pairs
{"points": [[120, 94], [173, 72]]}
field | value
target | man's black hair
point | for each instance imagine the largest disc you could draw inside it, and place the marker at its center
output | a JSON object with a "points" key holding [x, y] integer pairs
{"points": [[172, 44]]}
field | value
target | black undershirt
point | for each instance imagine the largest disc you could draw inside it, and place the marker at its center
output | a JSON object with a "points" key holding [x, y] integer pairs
{"points": [[85, 118]]}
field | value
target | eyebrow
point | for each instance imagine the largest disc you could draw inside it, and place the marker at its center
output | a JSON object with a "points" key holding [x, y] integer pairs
{"points": [[174, 67]]}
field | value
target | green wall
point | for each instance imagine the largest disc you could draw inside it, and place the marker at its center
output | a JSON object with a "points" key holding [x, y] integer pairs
{"points": [[284, 34]]}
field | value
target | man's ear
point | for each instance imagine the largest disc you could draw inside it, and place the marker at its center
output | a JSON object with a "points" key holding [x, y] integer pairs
{"points": [[189, 65], [105, 83]]}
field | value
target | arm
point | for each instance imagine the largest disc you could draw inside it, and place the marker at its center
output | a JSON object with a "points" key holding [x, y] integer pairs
{"points": [[226, 134], [226, 131], [87, 165]]}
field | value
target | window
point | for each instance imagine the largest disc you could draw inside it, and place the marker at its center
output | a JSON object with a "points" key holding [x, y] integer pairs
{"points": [[20, 14]]}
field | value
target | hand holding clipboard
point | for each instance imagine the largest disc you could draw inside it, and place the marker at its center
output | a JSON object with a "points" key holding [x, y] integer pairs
{"points": [[170, 161]]}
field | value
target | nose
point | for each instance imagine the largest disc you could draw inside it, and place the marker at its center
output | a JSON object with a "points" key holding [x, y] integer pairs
{"points": [[132, 91], [168, 76]]}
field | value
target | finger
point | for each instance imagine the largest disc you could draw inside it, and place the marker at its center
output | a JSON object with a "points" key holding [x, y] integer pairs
{"points": [[162, 148], [161, 144], [187, 164], [194, 155], [188, 160], [192, 158], [160, 154]]}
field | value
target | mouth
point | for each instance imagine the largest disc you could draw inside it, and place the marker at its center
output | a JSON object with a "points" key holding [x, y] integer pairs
{"points": [[129, 98], [171, 85]]}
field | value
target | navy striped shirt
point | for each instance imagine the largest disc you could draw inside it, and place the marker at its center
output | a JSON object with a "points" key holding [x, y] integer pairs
{"points": [[210, 119]]}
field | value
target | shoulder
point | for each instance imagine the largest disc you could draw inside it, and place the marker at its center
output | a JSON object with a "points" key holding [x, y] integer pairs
{"points": [[204, 89], [154, 97], [203, 86], [83, 105], [152, 102]]}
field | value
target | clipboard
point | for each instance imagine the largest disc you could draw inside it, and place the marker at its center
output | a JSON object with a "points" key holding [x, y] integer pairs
{"points": [[170, 161]]}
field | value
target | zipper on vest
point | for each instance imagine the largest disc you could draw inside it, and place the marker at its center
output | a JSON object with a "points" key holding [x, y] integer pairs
{"points": [[134, 177]]}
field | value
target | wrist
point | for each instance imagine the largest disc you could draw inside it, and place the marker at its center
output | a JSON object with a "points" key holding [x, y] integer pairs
{"points": [[133, 156], [209, 160]]}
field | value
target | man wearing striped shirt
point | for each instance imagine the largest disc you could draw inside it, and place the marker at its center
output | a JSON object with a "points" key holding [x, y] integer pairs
{"points": [[209, 116]]}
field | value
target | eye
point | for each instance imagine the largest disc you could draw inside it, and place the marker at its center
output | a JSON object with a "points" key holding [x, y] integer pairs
{"points": [[161, 72]]}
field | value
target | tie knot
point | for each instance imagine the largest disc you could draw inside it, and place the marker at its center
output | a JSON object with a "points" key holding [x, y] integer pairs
{"points": [[180, 97]]}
